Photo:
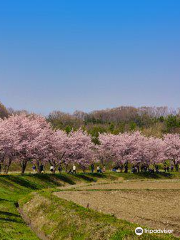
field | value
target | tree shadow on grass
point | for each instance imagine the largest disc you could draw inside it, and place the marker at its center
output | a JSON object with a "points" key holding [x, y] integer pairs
{"points": [[85, 177], [22, 182], [9, 214], [11, 220], [154, 175], [10, 217], [5, 200], [98, 175], [4, 181], [65, 179], [53, 178]]}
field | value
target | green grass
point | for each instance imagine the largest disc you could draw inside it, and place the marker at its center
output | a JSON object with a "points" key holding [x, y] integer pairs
{"points": [[11, 224], [15, 187]]}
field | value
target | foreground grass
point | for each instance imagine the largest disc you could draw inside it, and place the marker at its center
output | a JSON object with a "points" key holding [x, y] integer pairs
{"points": [[15, 187]]}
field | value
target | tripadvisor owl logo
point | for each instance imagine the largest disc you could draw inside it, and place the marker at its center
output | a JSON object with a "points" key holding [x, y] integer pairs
{"points": [[139, 231]]}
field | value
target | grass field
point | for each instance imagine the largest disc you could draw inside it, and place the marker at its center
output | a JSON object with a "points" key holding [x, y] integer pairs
{"points": [[14, 187], [57, 218]]}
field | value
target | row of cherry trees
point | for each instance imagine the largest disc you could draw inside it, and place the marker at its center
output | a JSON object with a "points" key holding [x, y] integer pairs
{"points": [[139, 150], [30, 138]]}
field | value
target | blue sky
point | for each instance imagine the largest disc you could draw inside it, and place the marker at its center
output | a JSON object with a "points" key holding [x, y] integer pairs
{"points": [[86, 55]]}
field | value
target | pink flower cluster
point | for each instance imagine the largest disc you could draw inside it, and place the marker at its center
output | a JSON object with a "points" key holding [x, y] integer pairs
{"points": [[25, 138], [30, 138]]}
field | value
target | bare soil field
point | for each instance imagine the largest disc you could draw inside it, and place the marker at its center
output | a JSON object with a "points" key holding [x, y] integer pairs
{"points": [[157, 208], [136, 184]]}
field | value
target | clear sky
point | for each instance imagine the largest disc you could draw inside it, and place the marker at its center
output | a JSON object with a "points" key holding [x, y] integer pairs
{"points": [[89, 54]]}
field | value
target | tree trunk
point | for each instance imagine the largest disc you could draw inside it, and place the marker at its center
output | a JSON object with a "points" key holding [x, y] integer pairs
{"points": [[177, 167], [23, 166], [84, 169], [6, 168], [38, 166]]}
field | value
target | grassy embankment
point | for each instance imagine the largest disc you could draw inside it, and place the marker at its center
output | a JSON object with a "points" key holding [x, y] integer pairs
{"points": [[62, 219]]}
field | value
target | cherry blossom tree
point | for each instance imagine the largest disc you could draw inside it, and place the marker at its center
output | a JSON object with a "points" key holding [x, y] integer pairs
{"points": [[147, 151], [107, 149], [25, 138], [43, 147], [130, 147], [117, 148], [156, 148], [172, 148], [59, 148], [79, 149], [8, 141]]}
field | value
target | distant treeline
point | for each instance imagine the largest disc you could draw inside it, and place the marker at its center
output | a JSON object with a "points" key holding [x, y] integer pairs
{"points": [[153, 121], [3, 111]]}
